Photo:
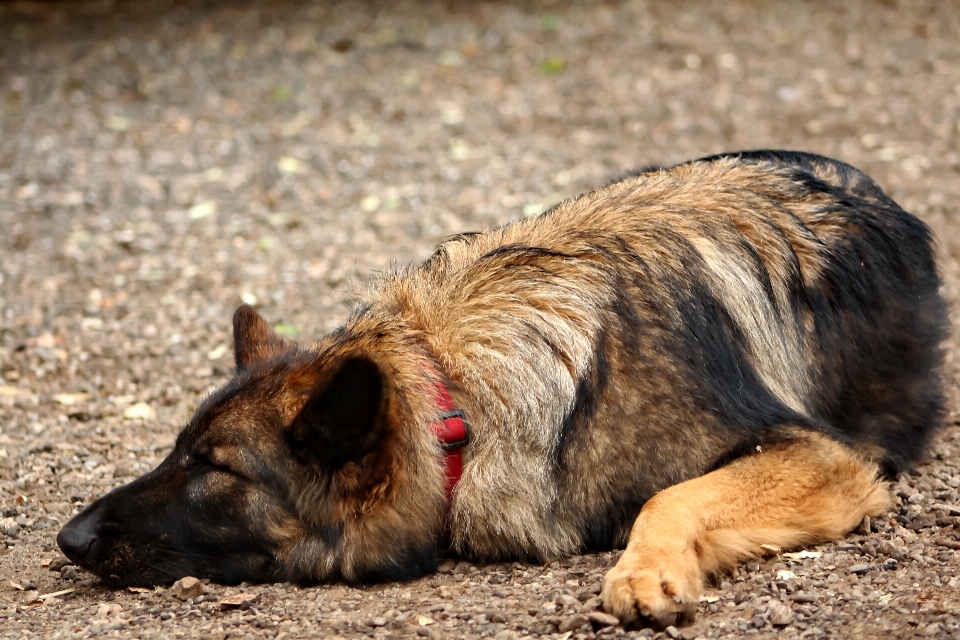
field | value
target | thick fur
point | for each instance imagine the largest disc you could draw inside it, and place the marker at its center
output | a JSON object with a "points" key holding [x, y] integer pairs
{"points": [[681, 335]]}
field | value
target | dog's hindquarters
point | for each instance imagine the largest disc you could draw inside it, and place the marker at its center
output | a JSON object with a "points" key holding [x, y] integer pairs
{"points": [[881, 320]]}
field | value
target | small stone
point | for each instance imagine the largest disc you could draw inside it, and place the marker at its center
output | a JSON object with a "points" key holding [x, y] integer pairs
{"points": [[922, 523], [139, 411], [241, 600], [68, 573], [689, 633], [188, 587], [601, 619], [672, 632], [378, 622], [804, 597], [9, 527], [567, 600], [446, 567], [780, 614], [59, 563], [864, 528], [289, 164], [31, 596], [862, 568], [889, 549], [572, 623], [107, 609]]}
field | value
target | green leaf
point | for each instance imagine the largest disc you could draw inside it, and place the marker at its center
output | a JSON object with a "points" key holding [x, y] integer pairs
{"points": [[286, 330], [551, 22], [553, 65]]}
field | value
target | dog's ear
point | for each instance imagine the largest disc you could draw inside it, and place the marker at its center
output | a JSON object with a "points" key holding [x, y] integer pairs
{"points": [[253, 339], [338, 423]]}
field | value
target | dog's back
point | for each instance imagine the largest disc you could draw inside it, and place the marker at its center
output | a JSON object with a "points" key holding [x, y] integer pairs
{"points": [[649, 331]]}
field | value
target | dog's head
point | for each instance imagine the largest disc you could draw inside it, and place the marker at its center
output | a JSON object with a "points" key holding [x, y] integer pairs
{"points": [[303, 468]]}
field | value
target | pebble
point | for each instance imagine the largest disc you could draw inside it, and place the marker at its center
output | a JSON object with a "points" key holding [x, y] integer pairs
{"points": [[186, 588], [572, 623], [107, 609], [9, 527], [779, 614], [567, 600], [241, 600], [601, 619], [446, 567], [59, 563], [862, 568]]}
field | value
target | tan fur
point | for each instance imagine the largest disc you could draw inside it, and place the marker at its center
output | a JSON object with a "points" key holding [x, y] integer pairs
{"points": [[805, 492]]}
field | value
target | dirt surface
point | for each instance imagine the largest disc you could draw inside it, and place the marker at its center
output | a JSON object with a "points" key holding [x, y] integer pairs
{"points": [[162, 161]]}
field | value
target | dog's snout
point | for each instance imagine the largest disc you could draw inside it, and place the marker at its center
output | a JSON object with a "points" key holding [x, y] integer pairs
{"points": [[77, 539]]}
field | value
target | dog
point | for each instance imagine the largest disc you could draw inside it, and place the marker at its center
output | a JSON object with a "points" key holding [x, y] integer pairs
{"points": [[691, 363]]}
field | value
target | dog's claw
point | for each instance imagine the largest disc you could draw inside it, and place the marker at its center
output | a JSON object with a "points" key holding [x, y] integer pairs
{"points": [[657, 594]]}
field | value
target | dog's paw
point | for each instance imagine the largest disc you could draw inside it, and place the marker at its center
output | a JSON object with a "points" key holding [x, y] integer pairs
{"points": [[651, 590]]}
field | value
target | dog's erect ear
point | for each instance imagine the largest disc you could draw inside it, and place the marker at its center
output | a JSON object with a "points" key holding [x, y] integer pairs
{"points": [[253, 339], [338, 423]]}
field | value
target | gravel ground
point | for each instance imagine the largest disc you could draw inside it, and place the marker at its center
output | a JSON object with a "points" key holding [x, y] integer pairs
{"points": [[162, 161]]}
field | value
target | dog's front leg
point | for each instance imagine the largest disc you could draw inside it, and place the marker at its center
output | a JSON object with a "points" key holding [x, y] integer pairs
{"points": [[801, 491]]}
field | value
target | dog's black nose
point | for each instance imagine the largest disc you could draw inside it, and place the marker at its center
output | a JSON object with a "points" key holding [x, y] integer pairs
{"points": [[76, 539]]}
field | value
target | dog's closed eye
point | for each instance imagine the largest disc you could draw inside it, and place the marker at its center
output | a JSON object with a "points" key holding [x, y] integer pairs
{"points": [[209, 464]]}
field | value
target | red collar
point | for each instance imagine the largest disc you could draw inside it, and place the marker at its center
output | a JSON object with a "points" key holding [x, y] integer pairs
{"points": [[453, 433]]}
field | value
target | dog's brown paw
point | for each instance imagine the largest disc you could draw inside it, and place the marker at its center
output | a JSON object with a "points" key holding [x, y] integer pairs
{"points": [[653, 590]]}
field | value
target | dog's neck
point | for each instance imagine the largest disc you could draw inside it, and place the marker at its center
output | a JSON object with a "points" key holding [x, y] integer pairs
{"points": [[452, 431]]}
